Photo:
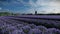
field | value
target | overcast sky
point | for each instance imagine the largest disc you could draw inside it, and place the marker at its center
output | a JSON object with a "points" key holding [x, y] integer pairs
{"points": [[30, 6]]}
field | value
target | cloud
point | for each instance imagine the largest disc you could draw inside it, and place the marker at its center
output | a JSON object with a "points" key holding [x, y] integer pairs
{"points": [[42, 6], [0, 8], [46, 6]]}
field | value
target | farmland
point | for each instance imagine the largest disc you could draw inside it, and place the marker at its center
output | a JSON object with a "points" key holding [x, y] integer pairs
{"points": [[24, 24]]}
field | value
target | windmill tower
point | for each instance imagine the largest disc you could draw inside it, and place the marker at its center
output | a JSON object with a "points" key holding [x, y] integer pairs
{"points": [[35, 12]]}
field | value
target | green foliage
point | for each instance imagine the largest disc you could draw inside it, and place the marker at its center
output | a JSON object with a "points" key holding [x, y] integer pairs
{"points": [[7, 14]]}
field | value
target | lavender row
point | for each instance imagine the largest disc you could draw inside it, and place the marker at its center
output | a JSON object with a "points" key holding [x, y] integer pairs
{"points": [[27, 29], [47, 23], [21, 28], [41, 16], [56, 17]]}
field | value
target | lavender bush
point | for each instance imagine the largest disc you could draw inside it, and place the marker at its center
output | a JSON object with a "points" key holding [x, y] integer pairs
{"points": [[10, 26]]}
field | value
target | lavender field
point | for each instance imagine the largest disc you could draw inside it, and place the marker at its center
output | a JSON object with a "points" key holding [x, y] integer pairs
{"points": [[29, 16], [30, 24]]}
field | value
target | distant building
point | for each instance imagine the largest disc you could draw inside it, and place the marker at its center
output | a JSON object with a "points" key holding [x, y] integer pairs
{"points": [[35, 12]]}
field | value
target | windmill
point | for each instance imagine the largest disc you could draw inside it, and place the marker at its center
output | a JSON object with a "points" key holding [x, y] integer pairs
{"points": [[35, 12]]}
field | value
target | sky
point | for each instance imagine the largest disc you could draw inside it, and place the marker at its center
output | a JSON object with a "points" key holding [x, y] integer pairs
{"points": [[30, 6]]}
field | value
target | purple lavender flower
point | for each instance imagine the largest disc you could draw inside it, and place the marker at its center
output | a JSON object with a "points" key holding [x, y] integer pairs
{"points": [[26, 29], [35, 31], [17, 32], [53, 31]]}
